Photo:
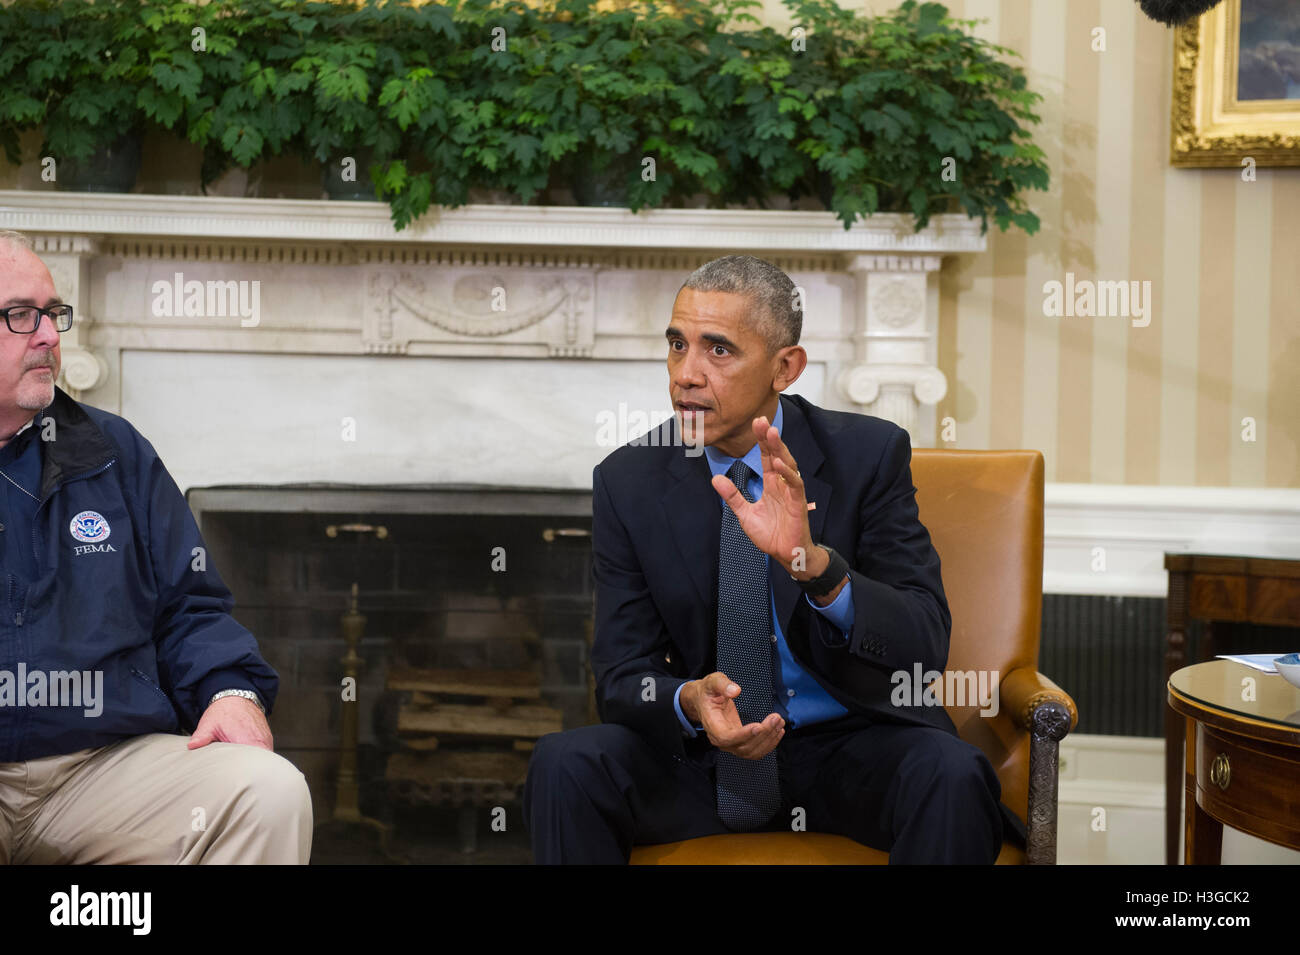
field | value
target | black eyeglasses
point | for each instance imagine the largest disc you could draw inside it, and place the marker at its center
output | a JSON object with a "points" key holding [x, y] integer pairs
{"points": [[24, 319]]}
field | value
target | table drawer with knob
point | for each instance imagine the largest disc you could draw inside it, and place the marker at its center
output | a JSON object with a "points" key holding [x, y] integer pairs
{"points": [[1249, 784]]}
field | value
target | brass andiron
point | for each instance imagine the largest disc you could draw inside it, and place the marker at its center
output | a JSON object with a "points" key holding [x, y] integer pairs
{"points": [[346, 805], [347, 808]]}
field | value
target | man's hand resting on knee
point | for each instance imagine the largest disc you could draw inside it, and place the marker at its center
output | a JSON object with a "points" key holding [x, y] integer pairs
{"points": [[711, 703], [233, 719]]}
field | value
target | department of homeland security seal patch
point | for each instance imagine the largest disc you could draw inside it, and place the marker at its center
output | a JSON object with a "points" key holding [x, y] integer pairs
{"points": [[89, 527]]}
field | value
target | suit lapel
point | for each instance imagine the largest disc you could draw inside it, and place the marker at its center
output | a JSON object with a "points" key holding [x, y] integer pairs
{"points": [[809, 457], [693, 514]]}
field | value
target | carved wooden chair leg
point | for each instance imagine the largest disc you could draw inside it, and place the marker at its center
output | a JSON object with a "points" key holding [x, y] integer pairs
{"points": [[1049, 724]]}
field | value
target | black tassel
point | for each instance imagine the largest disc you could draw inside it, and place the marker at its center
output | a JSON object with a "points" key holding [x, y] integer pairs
{"points": [[1175, 12]]}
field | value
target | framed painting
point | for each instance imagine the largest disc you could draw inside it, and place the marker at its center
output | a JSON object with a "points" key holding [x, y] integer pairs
{"points": [[1236, 90]]}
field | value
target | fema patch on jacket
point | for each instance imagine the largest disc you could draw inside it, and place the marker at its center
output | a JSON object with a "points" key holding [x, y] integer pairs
{"points": [[91, 529]]}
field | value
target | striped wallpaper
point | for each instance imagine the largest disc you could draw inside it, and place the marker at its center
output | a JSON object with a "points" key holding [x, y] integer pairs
{"points": [[1107, 402]]}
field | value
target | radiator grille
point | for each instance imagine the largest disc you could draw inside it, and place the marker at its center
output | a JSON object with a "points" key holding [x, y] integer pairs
{"points": [[1108, 653]]}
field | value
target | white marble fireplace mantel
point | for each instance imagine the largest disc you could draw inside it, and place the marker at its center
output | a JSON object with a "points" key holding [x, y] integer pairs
{"points": [[340, 312]]}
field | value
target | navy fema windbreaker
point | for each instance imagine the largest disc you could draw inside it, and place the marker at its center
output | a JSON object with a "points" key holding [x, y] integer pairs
{"points": [[109, 584]]}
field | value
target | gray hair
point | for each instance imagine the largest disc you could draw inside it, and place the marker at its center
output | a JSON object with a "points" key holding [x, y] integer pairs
{"points": [[16, 240], [779, 317]]}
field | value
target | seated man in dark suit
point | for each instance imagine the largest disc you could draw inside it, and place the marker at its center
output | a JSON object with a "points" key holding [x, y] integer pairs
{"points": [[752, 604]]}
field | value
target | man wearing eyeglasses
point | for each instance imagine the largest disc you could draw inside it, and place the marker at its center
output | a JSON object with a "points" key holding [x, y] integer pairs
{"points": [[132, 705]]}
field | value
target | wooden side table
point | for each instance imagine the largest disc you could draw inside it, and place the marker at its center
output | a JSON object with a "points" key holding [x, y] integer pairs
{"points": [[1218, 591], [1243, 756]]}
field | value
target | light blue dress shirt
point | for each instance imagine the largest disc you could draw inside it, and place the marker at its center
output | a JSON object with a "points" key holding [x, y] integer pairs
{"points": [[798, 697]]}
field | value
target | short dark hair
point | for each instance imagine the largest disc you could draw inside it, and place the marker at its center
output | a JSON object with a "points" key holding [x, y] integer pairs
{"points": [[780, 317]]}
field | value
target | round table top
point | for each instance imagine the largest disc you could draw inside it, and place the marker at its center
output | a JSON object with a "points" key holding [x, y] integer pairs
{"points": [[1221, 685]]}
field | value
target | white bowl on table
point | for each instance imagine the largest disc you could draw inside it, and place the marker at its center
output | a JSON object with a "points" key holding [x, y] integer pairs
{"points": [[1289, 667]]}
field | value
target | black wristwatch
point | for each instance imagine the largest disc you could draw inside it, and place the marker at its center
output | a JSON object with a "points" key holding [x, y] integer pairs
{"points": [[836, 571]]}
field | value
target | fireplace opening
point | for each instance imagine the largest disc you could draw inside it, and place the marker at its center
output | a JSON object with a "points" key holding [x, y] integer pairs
{"points": [[425, 637]]}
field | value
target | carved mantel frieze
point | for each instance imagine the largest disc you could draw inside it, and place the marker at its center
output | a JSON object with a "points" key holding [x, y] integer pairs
{"points": [[551, 307]]}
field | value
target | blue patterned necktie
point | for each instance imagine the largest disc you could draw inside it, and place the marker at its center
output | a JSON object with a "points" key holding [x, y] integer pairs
{"points": [[749, 790]]}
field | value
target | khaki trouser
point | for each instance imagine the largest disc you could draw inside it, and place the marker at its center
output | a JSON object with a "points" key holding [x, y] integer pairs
{"points": [[148, 799]]}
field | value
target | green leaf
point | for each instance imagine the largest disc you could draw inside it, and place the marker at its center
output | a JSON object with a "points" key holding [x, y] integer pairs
{"points": [[523, 147], [243, 142], [181, 77], [164, 110], [345, 83]]}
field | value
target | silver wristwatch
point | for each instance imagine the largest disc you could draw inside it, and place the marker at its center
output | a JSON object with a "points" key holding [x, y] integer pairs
{"points": [[246, 694]]}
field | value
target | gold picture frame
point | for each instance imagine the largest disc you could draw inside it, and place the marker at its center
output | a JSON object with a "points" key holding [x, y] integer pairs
{"points": [[1211, 126]]}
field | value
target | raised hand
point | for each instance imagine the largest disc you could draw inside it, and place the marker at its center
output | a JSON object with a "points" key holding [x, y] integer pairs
{"points": [[777, 523]]}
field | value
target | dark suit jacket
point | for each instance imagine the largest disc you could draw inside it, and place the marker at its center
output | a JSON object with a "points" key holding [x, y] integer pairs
{"points": [[656, 525]]}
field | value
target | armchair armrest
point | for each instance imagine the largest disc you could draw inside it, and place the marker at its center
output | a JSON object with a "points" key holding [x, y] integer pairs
{"points": [[1045, 711], [1023, 691]]}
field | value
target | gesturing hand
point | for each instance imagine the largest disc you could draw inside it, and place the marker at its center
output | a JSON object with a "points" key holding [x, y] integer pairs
{"points": [[777, 522], [711, 703]]}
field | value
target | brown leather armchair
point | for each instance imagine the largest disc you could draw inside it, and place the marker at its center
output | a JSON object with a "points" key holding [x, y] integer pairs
{"points": [[984, 511]]}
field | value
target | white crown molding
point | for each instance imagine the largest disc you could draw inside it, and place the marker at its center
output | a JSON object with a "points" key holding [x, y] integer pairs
{"points": [[1136, 525], [317, 220]]}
